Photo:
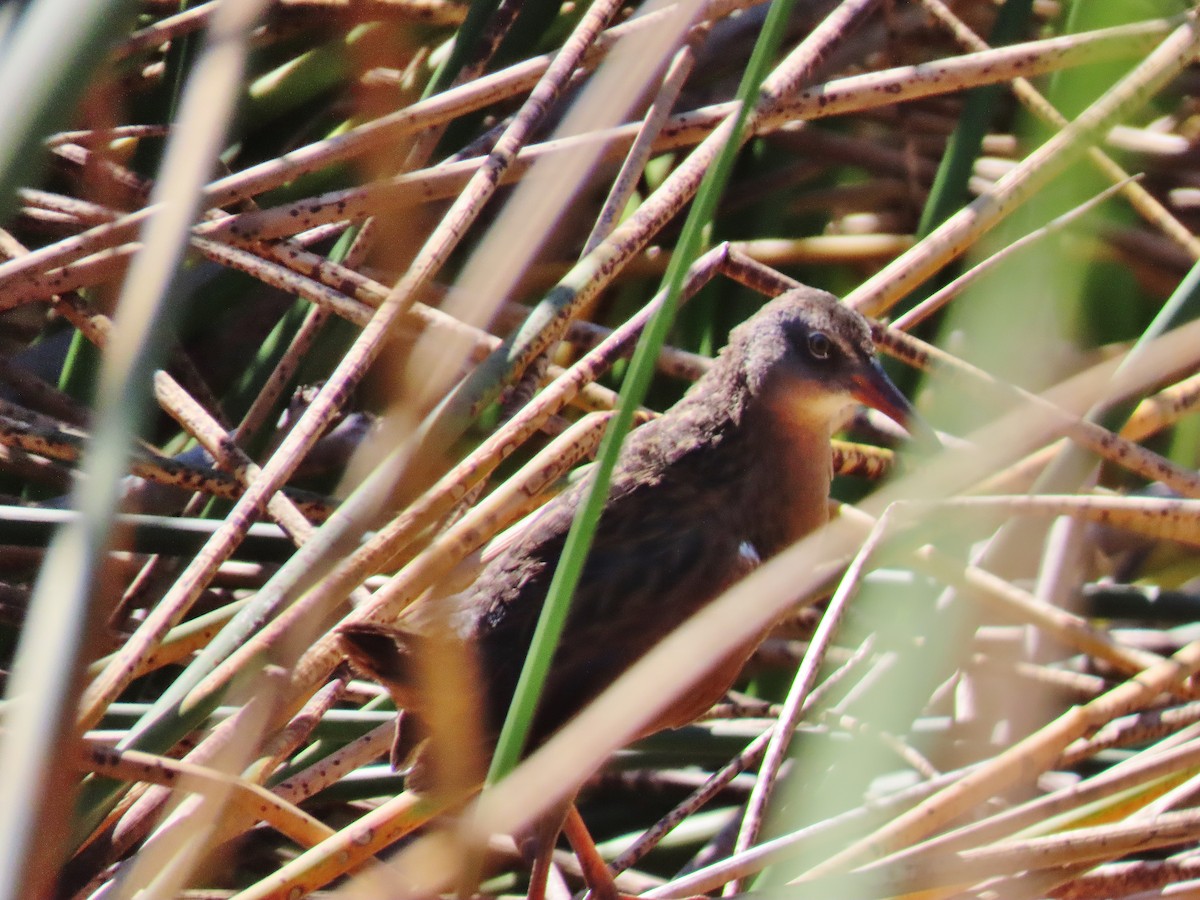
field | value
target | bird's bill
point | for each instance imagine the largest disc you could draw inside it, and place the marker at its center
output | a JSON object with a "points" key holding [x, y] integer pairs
{"points": [[873, 388]]}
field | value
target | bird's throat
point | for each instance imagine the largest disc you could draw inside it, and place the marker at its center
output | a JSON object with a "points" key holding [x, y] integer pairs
{"points": [[793, 469]]}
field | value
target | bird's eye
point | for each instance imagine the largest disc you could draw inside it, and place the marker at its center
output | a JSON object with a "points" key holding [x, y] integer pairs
{"points": [[819, 345]]}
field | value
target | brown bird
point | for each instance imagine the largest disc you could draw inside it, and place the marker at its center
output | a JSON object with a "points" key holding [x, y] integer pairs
{"points": [[733, 473]]}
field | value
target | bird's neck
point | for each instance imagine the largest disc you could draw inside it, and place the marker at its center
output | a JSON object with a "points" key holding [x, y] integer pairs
{"points": [[773, 455], [793, 468]]}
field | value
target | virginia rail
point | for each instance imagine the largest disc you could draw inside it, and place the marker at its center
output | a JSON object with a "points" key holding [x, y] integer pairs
{"points": [[733, 473]]}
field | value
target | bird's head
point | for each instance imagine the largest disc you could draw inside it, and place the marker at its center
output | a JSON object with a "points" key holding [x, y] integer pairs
{"points": [[809, 357]]}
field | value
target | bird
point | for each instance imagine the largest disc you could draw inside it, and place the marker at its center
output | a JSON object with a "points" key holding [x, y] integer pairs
{"points": [[733, 473]]}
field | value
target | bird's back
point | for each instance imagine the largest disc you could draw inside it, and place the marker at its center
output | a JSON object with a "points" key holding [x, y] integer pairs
{"points": [[678, 529]]}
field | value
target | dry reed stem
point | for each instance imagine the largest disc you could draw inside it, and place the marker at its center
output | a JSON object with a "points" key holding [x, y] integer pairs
{"points": [[779, 849], [1140, 880], [1092, 803], [1173, 520], [1121, 789], [68, 447], [273, 753], [196, 421], [1140, 728], [955, 288], [1012, 602], [642, 146], [348, 849], [165, 863], [1081, 845], [1147, 206], [711, 787], [332, 768], [182, 641], [1152, 415], [314, 157], [950, 239], [1163, 409], [1016, 764], [281, 376], [1097, 383]]}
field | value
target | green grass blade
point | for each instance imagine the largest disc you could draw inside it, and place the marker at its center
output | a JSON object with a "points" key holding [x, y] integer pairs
{"points": [[41, 87], [514, 734]]}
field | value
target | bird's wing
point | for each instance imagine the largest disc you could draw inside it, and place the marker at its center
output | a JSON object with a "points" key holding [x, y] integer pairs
{"points": [[648, 570]]}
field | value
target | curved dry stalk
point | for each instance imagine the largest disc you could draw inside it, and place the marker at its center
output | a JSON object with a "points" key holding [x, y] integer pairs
{"points": [[843, 96], [248, 798], [806, 676]]}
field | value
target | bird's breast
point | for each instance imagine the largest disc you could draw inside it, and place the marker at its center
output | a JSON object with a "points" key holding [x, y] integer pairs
{"points": [[788, 495]]}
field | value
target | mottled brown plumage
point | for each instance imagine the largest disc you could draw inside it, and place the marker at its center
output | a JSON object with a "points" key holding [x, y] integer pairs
{"points": [[737, 470]]}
